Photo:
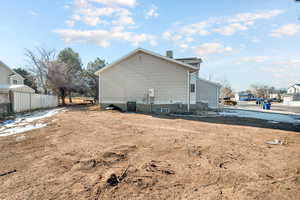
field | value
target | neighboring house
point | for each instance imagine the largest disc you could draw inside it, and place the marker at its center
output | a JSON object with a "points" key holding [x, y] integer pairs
{"points": [[294, 89], [292, 97], [244, 96], [10, 81], [9, 77], [16, 79], [148, 82]]}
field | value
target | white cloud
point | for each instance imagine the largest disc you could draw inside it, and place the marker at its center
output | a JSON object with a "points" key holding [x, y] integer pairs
{"points": [[103, 37], [288, 30], [195, 29], [189, 39], [285, 71], [123, 18], [167, 35], [110, 13], [211, 48], [231, 29], [255, 40], [184, 46], [227, 26], [129, 3], [254, 59], [152, 12], [252, 17], [67, 6], [70, 23], [92, 15], [33, 13]]}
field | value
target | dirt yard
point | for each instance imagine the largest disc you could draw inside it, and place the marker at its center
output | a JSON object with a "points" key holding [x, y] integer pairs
{"points": [[87, 154]]}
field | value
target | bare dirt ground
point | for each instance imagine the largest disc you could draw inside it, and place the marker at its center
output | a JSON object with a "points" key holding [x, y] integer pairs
{"points": [[88, 154]]}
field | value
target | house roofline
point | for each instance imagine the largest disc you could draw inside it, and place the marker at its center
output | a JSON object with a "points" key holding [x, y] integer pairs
{"points": [[295, 85], [149, 53], [210, 82], [12, 71], [191, 59]]}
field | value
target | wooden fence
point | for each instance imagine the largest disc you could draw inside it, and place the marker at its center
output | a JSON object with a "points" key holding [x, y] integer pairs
{"points": [[22, 101]]}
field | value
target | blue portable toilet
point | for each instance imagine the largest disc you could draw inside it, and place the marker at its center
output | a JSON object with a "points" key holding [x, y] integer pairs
{"points": [[268, 106]]}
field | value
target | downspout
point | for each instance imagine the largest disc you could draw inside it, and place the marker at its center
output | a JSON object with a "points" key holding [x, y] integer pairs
{"points": [[99, 89], [218, 96], [188, 91]]}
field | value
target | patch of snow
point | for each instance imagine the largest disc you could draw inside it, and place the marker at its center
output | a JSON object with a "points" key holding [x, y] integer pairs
{"points": [[275, 141], [24, 122], [273, 117], [40, 115], [18, 129], [273, 122]]}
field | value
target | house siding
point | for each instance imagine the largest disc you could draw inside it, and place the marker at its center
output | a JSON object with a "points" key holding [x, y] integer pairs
{"points": [[207, 92], [4, 75], [131, 79], [294, 89], [19, 80]]}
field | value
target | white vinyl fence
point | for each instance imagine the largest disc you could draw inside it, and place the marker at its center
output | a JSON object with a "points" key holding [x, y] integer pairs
{"points": [[22, 101]]}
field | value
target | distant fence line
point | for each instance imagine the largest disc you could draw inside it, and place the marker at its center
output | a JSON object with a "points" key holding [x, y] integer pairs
{"points": [[22, 101]]}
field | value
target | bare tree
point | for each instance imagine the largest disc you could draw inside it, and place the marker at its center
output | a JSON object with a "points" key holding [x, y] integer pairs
{"points": [[226, 90], [38, 62], [262, 91], [58, 78], [64, 78]]}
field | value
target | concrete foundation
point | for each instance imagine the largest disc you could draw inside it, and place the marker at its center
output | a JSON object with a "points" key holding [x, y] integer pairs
{"points": [[162, 108]]}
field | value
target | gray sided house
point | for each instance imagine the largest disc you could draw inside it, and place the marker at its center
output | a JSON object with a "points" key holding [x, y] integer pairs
{"points": [[292, 98], [294, 89], [10, 81], [8, 76], [148, 82]]}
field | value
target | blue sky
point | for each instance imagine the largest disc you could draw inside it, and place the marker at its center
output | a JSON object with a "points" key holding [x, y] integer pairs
{"points": [[244, 42]]}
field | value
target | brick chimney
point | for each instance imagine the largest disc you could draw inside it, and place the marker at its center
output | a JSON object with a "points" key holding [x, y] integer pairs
{"points": [[169, 54]]}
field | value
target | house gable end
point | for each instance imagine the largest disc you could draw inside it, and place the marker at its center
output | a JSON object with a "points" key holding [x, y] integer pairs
{"points": [[189, 67]]}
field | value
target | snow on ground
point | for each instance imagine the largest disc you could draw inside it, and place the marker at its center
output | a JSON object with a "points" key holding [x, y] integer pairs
{"points": [[272, 117], [25, 122]]}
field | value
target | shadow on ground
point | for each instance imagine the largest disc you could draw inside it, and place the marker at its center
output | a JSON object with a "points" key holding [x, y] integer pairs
{"points": [[227, 120], [238, 121]]}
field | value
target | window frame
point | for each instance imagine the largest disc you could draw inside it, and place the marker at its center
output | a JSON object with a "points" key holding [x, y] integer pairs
{"points": [[193, 88]]}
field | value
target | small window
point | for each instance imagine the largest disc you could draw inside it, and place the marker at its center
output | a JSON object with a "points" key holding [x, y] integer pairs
{"points": [[164, 110], [192, 87], [15, 82]]}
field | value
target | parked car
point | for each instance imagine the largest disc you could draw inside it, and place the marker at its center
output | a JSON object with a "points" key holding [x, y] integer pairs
{"points": [[275, 100], [230, 103]]}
